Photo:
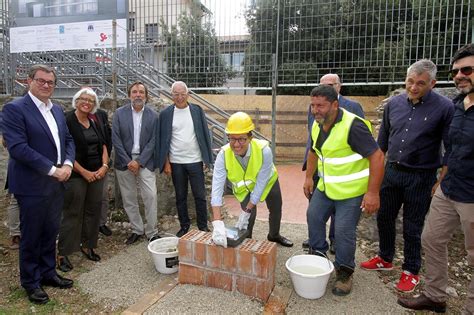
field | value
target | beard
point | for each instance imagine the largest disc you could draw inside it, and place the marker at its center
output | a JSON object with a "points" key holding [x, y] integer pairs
{"points": [[138, 103], [467, 89]]}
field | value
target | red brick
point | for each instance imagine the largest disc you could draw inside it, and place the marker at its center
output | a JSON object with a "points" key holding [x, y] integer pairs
{"points": [[246, 285], [245, 257], [185, 250], [265, 259], [190, 274], [229, 259], [264, 288], [200, 253], [220, 280], [214, 256]]}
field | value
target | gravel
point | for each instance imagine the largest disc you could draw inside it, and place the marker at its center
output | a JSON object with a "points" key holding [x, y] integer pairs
{"points": [[123, 279]]}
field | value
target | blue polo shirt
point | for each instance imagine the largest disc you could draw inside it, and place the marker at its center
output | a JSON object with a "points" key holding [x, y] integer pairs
{"points": [[411, 134], [458, 184]]}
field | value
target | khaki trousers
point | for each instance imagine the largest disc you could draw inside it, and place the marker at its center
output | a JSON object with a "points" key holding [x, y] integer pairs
{"points": [[444, 217]]}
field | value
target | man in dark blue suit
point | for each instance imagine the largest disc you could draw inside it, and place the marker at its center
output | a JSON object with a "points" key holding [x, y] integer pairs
{"points": [[333, 80], [41, 158]]}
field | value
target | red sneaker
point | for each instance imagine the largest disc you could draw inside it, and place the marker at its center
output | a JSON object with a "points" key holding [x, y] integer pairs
{"points": [[376, 263], [407, 282]]}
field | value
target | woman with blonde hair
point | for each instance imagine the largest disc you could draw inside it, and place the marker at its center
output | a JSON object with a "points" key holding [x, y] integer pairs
{"points": [[82, 203]]}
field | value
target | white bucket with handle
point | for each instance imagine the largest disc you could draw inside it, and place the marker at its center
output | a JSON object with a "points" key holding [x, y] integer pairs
{"points": [[309, 275], [164, 252]]}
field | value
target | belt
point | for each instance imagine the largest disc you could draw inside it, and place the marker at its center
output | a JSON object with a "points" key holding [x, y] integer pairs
{"points": [[403, 168]]}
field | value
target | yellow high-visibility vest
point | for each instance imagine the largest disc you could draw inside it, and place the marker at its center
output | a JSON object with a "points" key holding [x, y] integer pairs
{"points": [[243, 181], [343, 173]]}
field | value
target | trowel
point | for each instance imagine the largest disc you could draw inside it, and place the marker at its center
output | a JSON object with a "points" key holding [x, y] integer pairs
{"points": [[235, 236]]}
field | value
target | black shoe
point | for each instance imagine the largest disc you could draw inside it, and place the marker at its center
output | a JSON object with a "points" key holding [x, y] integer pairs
{"points": [[422, 302], [153, 238], [64, 264], [105, 230], [58, 282], [283, 241], [206, 229], [182, 231], [90, 254], [37, 295], [332, 248], [305, 244], [132, 238]]}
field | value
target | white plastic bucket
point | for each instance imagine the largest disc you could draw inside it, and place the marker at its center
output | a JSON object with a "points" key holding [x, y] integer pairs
{"points": [[309, 275], [164, 252]]}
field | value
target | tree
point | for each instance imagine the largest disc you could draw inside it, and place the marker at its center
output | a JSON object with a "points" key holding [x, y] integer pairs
{"points": [[192, 52], [362, 40]]}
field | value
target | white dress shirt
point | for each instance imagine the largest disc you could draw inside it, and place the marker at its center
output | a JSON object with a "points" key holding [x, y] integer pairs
{"points": [[137, 127], [45, 110]]}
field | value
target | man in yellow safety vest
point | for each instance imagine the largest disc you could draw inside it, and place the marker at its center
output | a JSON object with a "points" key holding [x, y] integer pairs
{"points": [[350, 167], [248, 164]]}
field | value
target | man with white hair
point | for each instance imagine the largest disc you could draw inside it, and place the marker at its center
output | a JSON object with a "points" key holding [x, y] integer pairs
{"points": [[414, 125], [183, 151]]}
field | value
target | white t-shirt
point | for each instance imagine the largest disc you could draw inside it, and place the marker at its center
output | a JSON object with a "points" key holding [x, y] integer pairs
{"points": [[184, 147]]}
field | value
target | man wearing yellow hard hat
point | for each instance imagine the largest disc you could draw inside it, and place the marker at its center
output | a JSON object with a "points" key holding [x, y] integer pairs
{"points": [[248, 164]]}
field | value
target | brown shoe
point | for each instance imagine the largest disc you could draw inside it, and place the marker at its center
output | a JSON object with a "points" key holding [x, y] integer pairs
{"points": [[343, 285], [422, 302], [15, 242]]}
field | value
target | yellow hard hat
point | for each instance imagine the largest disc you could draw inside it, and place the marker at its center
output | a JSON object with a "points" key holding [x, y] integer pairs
{"points": [[239, 123]]}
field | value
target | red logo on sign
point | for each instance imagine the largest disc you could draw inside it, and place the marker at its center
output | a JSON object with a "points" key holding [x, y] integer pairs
{"points": [[103, 37]]}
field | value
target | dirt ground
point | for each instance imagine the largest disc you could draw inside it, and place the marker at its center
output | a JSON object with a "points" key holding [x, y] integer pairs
{"points": [[13, 299]]}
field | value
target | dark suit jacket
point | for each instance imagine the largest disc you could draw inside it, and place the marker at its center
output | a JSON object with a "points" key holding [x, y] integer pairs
{"points": [[165, 123], [122, 137], [32, 148], [345, 103], [77, 134]]}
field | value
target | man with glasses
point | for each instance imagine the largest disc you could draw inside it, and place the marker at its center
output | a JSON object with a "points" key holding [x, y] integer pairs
{"points": [[42, 154], [452, 205], [133, 138], [414, 126], [184, 151], [331, 79], [248, 165]]}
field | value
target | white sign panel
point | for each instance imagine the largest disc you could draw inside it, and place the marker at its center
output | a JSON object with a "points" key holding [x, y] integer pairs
{"points": [[67, 36]]}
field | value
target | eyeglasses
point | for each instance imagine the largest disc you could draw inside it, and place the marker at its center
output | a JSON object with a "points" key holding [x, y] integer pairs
{"points": [[87, 100], [239, 140], [464, 70], [42, 82]]}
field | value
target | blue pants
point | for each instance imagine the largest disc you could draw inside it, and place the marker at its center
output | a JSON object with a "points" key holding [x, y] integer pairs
{"points": [[39, 225], [347, 213], [194, 174], [413, 191]]}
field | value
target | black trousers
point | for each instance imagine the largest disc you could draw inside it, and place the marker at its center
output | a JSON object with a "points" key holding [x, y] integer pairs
{"points": [[274, 205], [412, 189]]}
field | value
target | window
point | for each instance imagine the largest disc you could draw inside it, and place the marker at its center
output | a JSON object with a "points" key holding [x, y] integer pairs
{"points": [[235, 60], [151, 32]]}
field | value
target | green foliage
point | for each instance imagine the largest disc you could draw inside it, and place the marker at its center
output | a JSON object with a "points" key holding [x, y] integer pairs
{"points": [[192, 52], [362, 40]]}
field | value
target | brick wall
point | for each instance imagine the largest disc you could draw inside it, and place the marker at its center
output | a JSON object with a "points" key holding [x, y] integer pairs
{"points": [[248, 268]]}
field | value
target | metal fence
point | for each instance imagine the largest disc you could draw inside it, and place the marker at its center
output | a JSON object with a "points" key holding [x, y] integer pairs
{"points": [[249, 44]]}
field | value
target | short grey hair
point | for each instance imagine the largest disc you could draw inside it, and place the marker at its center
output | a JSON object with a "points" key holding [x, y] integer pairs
{"points": [[176, 83], [422, 66], [87, 91]]}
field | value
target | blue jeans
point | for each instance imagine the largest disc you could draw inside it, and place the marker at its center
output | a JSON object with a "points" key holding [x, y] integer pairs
{"points": [[347, 213], [194, 174]]}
